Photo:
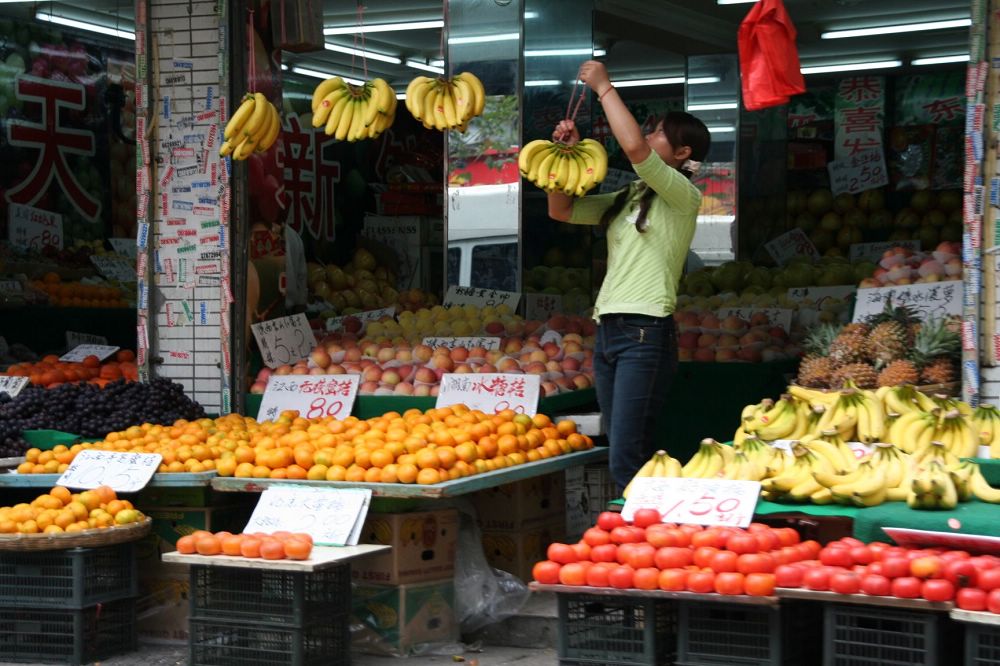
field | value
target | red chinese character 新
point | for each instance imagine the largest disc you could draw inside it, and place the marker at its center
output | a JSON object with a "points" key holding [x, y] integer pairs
{"points": [[309, 179]]}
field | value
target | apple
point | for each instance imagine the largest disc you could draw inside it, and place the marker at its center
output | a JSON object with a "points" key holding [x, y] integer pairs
{"points": [[508, 365], [463, 368], [684, 354], [422, 390], [403, 388], [385, 354], [318, 371], [688, 340], [725, 355], [352, 355], [487, 368], [535, 368], [493, 356], [335, 369], [459, 354], [569, 364], [367, 388], [582, 381], [728, 340], [372, 373], [443, 362], [704, 354], [571, 347], [301, 370], [390, 377], [549, 388], [706, 340], [283, 369], [495, 327]]}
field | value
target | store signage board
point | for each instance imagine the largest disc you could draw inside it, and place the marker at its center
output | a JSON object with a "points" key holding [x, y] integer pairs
{"points": [[124, 246], [910, 538], [490, 393], [313, 396], [789, 245], [284, 340], [12, 385], [487, 343], [114, 267], [32, 228], [781, 317], [80, 352], [542, 306], [124, 472], [332, 517], [337, 323], [865, 170], [929, 300], [74, 339], [874, 251], [695, 501], [480, 297]]}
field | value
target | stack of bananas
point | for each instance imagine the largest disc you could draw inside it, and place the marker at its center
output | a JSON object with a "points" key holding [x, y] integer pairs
{"points": [[445, 104], [350, 112], [661, 465], [254, 127], [558, 167], [985, 421]]}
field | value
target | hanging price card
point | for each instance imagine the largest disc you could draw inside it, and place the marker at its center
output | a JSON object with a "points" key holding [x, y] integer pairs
{"points": [[697, 501], [486, 343], [81, 352], [12, 385], [124, 472], [929, 300], [480, 297], [542, 306], [490, 393], [789, 245], [284, 340], [124, 246], [113, 267], [74, 339], [331, 517], [337, 323], [314, 396], [33, 228], [865, 170], [874, 251]]}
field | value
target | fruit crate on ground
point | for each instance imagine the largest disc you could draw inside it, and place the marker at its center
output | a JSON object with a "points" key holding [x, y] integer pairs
{"points": [[256, 596], [886, 636], [616, 631], [724, 633], [67, 636], [982, 645], [67, 579], [219, 643]]}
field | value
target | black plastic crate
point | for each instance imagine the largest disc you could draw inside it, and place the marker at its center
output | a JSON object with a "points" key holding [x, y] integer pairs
{"points": [[726, 633], [982, 644], [217, 643], [64, 636], [71, 579], [287, 598], [878, 636], [616, 631]]}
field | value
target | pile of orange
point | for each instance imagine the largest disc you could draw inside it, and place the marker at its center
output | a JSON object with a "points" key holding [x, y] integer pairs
{"points": [[427, 447], [60, 510], [277, 546], [79, 295], [50, 371]]}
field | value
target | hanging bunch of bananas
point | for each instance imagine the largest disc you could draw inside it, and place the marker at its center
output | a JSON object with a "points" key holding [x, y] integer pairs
{"points": [[445, 104], [985, 422], [254, 127], [352, 113], [660, 466], [559, 167], [915, 430]]}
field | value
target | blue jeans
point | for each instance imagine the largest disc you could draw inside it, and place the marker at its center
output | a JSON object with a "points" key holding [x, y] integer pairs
{"points": [[635, 359]]}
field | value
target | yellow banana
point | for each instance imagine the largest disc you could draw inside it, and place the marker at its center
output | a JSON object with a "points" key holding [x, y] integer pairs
{"points": [[323, 89], [573, 176], [357, 120], [410, 97], [346, 120], [527, 152], [465, 98], [258, 117], [982, 489], [645, 471], [596, 150], [538, 159], [336, 114], [244, 149], [448, 106], [268, 139], [239, 119], [477, 88]]}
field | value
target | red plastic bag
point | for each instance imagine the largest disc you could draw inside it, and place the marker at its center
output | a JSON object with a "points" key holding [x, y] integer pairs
{"points": [[769, 60]]}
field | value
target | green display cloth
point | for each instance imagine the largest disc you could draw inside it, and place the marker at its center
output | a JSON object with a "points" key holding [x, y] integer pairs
{"points": [[990, 469], [973, 518], [50, 439], [765, 508]]}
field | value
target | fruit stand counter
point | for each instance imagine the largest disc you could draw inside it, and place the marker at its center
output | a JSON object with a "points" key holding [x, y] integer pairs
{"points": [[176, 480], [453, 488], [322, 557], [742, 599]]}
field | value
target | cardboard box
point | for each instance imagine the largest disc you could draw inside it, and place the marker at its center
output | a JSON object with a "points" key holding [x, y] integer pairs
{"points": [[523, 504], [423, 547], [392, 619], [517, 552]]}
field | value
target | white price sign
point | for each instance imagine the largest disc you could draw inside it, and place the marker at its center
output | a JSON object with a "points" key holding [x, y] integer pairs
{"points": [[697, 501], [490, 393], [124, 246], [284, 340], [113, 267], [337, 323], [487, 343], [81, 352], [11, 286], [332, 517], [820, 294], [789, 245], [314, 396], [74, 339], [12, 385], [480, 297], [124, 472], [33, 228], [874, 251], [865, 170], [542, 306], [930, 300], [775, 316]]}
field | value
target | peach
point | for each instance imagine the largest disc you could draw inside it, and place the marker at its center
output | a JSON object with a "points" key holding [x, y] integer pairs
{"points": [[352, 354], [535, 368], [495, 327], [725, 355], [320, 357], [571, 347], [404, 355], [487, 368], [463, 369], [390, 377], [565, 383], [443, 361], [493, 356], [422, 390], [704, 354], [283, 369], [335, 369], [385, 354], [706, 340], [318, 371], [372, 373], [508, 365], [367, 388], [422, 353], [570, 364], [258, 387], [553, 366], [582, 381], [403, 388], [425, 375], [551, 349], [538, 356], [459, 354], [300, 370], [477, 352], [688, 340], [549, 388], [684, 354]]}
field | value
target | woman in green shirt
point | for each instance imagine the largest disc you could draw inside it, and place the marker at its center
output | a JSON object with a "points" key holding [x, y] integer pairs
{"points": [[649, 227]]}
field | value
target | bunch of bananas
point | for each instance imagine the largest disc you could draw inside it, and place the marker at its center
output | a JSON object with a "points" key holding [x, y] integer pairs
{"points": [[352, 113], [857, 414], [661, 465], [445, 104], [940, 484], [915, 430], [559, 167], [254, 127], [985, 422], [709, 461]]}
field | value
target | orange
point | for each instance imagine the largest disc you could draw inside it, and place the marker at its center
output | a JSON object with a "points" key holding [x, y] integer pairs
{"points": [[388, 474], [297, 549], [381, 458], [446, 456], [355, 473], [336, 473], [250, 546], [114, 506], [208, 545], [428, 475], [427, 459], [296, 472], [373, 475], [317, 472], [272, 549], [232, 545], [62, 494], [566, 427]]}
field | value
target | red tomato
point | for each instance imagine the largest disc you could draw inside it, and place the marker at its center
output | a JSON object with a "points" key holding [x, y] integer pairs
{"points": [[862, 555], [906, 587], [597, 575], [682, 537], [624, 534], [851, 541], [767, 540], [641, 556], [937, 589], [646, 517], [729, 582], [971, 599], [742, 543], [608, 520], [844, 582], [787, 536], [625, 552], [606, 553], [646, 578], [895, 567], [755, 563], [673, 580], [836, 556], [724, 560], [961, 573], [706, 538], [876, 568], [672, 557], [595, 536], [621, 577], [787, 575], [703, 556], [876, 585], [993, 601], [984, 562], [950, 555], [573, 574], [816, 578], [760, 584], [582, 549], [928, 566], [878, 548], [757, 527], [562, 553], [701, 581], [989, 579], [660, 536], [546, 572]]}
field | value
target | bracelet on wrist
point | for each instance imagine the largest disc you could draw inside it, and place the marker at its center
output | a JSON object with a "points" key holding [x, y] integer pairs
{"points": [[600, 98]]}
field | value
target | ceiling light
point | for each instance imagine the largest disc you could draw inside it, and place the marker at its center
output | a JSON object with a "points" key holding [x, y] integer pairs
{"points": [[436, 63], [542, 82], [940, 60], [542, 53], [698, 80], [363, 53], [427, 68], [734, 2], [721, 129], [712, 107], [480, 39], [284, 67], [893, 29], [598, 53], [383, 27], [852, 66], [401, 95], [81, 25], [302, 71], [634, 83], [530, 15]]}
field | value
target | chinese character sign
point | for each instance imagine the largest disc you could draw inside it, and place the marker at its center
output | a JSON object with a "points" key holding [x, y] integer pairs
{"points": [[859, 115], [312, 396], [309, 178], [490, 392], [931, 300]]}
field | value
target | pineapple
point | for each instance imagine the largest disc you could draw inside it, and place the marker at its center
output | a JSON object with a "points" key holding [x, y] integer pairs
{"points": [[862, 374], [936, 350], [816, 367], [899, 372], [940, 370], [848, 348], [891, 336]]}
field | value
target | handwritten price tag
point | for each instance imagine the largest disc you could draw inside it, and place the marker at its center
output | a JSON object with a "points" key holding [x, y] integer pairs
{"points": [[314, 396], [480, 297], [124, 246], [81, 352], [697, 501], [12, 385], [125, 472], [789, 245], [11, 287], [33, 228], [865, 170], [113, 267], [74, 339], [332, 517], [284, 340], [874, 251], [930, 300], [542, 306], [489, 344], [490, 393], [337, 323]]}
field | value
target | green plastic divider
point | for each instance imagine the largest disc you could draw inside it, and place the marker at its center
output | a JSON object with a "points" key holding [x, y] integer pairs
{"points": [[49, 439]]}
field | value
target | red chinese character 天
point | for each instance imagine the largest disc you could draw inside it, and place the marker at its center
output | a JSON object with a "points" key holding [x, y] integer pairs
{"points": [[859, 144], [53, 142], [860, 119], [860, 88], [944, 109], [309, 179]]}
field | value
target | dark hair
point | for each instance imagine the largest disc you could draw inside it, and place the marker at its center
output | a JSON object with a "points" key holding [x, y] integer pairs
{"points": [[682, 129]]}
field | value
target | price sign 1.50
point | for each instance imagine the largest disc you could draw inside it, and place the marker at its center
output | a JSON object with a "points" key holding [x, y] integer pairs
{"points": [[697, 501]]}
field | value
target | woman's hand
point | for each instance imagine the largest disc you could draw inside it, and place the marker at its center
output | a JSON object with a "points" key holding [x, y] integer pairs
{"points": [[566, 132], [595, 75]]}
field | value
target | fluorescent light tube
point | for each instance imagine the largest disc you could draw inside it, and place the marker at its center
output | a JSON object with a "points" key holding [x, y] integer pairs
{"points": [[893, 29], [698, 80], [81, 25], [940, 60], [712, 107], [481, 39], [366, 54], [635, 83], [721, 129], [436, 63], [542, 82], [851, 66], [401, 95], [530, 15], [427, 68], [302, 71], [542, 53], [599, 53], [734, 2], [383, 27]]}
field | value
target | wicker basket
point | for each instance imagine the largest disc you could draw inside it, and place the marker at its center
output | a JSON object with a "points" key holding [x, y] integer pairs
{"points": [[87, 538]]}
